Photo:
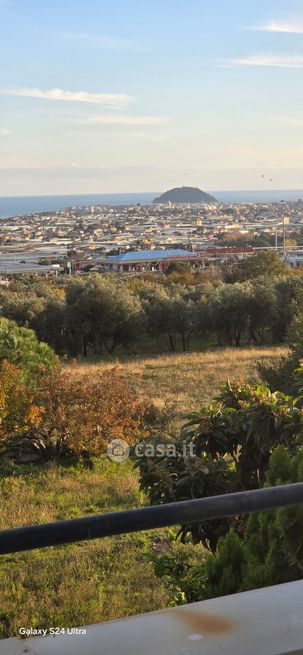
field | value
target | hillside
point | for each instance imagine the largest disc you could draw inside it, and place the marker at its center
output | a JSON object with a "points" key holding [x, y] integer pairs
{"points": [[185, 195], [105, 579]]}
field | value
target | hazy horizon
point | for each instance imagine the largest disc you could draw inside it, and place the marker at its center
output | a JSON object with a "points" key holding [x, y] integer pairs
{"points": [[148, 192]]}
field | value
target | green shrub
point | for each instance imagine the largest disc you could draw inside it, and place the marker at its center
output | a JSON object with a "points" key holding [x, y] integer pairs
{"points": [[20, 346], [232, 440]]}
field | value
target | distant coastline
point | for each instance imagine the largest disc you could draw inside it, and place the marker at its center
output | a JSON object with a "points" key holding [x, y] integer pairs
{"points": [[14, 205]]}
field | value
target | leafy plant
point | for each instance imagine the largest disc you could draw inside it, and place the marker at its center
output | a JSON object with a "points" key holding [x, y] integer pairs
{"points": [[232, 440]]}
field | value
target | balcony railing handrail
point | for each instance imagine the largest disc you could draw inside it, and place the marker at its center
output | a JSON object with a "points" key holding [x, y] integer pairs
{"points": [[148, 518]]}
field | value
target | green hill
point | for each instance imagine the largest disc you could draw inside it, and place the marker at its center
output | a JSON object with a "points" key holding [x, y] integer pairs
{"points": [[185, 195]]}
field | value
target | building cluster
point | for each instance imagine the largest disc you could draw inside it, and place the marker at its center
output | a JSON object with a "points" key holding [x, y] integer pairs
{"points": [[83, 238]]}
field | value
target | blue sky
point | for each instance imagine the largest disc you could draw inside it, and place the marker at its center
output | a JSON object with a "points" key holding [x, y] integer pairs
{"points": [[99, 96]]}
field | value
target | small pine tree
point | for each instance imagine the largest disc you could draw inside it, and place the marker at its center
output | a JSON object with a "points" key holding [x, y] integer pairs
{"points": [[224, 570], [20, 346], [272, 549]]}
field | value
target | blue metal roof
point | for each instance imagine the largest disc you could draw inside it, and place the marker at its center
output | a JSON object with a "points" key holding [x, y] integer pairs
{"points": [[150, 255]]}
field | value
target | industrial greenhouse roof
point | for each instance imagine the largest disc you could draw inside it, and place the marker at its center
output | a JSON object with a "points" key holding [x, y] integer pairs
{"points": [[150, 255]]}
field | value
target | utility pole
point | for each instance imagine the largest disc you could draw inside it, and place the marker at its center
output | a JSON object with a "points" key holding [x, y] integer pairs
{"points": [[285, 222]]}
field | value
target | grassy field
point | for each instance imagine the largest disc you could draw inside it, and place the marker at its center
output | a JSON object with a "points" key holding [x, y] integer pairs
{"points": [[187, 380], [82, 583], [106, 579]]}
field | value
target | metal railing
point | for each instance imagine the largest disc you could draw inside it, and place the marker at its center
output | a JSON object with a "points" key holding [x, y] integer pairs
{"points": [[148, 518]]}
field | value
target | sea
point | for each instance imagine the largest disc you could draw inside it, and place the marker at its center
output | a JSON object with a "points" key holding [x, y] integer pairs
{"points": [[21, 205]]}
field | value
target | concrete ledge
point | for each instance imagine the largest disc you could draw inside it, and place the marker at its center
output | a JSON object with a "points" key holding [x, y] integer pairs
{"points": [[262, 622]]}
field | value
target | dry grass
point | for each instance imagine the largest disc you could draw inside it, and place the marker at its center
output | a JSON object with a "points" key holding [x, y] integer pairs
{"points": [[188, 380]]}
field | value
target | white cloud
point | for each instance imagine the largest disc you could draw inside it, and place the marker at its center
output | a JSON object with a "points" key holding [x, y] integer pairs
{"points": [[292, 27], [110, 119], [99, 41], [4, 131], [265, 60], [114, 100]]}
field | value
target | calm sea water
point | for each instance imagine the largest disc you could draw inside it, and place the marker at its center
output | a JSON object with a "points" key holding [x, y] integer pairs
{"points": [[12, 206]]}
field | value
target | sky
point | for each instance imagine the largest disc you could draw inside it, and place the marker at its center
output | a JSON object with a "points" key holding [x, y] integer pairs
{"points": [[132, 96]]}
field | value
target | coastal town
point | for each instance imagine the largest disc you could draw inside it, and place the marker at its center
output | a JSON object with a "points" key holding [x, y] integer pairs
{"points": [[102, 238]]}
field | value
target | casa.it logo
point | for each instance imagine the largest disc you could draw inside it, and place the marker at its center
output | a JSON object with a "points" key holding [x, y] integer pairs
{"points": [[118, 450]]}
